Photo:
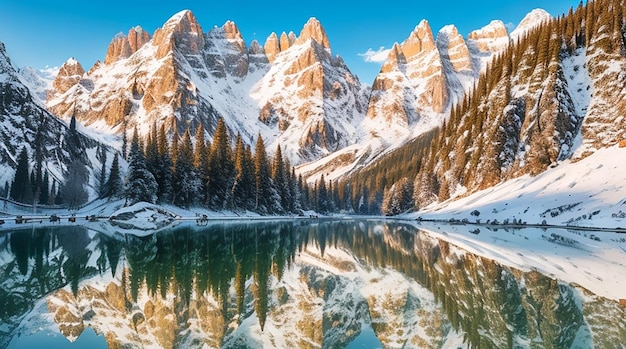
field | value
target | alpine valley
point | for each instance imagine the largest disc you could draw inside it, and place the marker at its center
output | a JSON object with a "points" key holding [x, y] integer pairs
{"points": [[515, 138], [446, 116]]}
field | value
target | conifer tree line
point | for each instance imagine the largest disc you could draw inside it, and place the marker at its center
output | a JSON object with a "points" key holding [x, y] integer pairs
{"points": [[34, 186], [190, 171], [487, 140]]}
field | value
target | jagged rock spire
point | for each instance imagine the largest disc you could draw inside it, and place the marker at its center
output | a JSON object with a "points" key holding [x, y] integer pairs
{"points": [[124, 46]]}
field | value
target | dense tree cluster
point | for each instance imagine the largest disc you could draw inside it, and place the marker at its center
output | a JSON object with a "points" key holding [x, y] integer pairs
{"points": [[215, 175]]}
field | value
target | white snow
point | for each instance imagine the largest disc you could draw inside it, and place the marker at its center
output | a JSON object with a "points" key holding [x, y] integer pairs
{"points": [[587, 193], [532, 20]]}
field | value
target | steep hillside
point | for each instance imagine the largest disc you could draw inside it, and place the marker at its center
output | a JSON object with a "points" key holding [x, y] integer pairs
{"points": [[51, 146], [554, 94]]}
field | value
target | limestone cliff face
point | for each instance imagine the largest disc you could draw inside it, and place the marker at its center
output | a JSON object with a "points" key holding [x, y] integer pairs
{"points": [[272, 47], [453, 48], [124, 46], [70, 74], [226, 52], [290, 89], [491, 38], [313, 30], [411, 84], [323, 84], [157, 90], [181, 32]]}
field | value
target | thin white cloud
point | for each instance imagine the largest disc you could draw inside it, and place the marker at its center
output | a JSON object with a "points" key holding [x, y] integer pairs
{"points": [[510, 26], [378, 56]]}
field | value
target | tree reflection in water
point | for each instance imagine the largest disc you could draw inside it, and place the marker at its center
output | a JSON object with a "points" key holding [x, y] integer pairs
{"points": [[220, 275]]}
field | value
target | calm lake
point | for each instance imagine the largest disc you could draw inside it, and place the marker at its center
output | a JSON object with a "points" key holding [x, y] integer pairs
{"points": [[287, 284]]}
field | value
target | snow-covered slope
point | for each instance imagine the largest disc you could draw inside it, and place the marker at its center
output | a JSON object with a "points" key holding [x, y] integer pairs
{"points": [[590, 193]]}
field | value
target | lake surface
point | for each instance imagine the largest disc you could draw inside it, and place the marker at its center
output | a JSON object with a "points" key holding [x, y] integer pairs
{"points": [[289, 284]]}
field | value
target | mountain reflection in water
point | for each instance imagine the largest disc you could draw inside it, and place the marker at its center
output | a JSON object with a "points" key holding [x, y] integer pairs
{"points": [[288, 284]]}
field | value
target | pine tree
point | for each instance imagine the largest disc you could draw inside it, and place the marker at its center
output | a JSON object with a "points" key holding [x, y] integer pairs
{"points": [[244, 186], [73, 190], [264, 187], [221, 168], [323, 204], [140, 184], [44, 191], [103, 174], [280, 180], [201, 162], [21, 189], [186, 183], [73, 124], [163, 169], [113, 187]]}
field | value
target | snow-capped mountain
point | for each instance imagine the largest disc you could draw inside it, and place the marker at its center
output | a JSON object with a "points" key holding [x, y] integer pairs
{"points": [[24, 122], [293, 95]]}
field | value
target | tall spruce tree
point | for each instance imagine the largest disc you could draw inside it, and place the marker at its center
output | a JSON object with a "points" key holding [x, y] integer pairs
{"points": [[186, 182], [73, 190], [243, 187], [140, 184], [21, 189], [221, 168], [264, 187], [280, 180], [163, 170], [102, 183], [114, 185], [201, 163]]}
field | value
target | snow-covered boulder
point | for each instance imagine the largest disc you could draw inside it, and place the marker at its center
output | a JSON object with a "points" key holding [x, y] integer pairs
{"points": [[142, 216]]}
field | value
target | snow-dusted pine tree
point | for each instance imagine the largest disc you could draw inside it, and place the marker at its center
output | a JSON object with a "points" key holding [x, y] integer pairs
{"points": [[140, 184]]}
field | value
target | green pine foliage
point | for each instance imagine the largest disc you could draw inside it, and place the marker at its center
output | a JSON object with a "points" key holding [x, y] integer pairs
{"points": [[21, 189], [140, 184], [221, 172]]}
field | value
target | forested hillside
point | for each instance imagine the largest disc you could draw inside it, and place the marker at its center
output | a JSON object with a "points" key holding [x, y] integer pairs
{"points": [[556, 93]]}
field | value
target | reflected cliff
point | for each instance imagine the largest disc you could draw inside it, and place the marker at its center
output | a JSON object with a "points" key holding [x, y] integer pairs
{"points": [[289, 284]]}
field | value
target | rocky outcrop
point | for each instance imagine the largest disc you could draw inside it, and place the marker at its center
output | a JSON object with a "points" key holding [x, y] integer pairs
{"points": [[272, 47], [181, 32], [124, 46], [453, 48], [225, 52], [490, 38], [313, 30], [411, 84], [70, 73], [420, 41]]}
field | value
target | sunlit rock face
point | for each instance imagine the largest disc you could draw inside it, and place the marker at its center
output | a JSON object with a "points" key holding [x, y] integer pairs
{"points": [[123, 46], [293, 285]]}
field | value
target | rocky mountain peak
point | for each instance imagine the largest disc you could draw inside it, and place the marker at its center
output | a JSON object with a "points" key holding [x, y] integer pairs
{"points": [[420, 40], [69, 75], [285, 41], [533, 19], [181, 31], [395, 58], [231, 31], [313, 30], [490, 38], [272, 47], [452, 45], [124, 46]]}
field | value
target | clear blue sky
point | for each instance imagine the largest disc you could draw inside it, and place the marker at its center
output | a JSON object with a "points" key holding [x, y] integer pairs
{"points": [[48, 32]]}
